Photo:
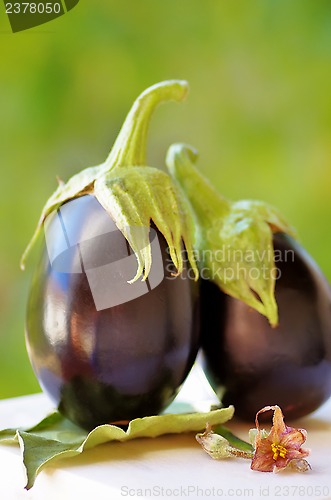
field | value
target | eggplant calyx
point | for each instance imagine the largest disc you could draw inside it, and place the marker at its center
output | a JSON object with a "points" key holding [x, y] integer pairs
{"points": [[132, 193], [134, 196], [233, 240]]}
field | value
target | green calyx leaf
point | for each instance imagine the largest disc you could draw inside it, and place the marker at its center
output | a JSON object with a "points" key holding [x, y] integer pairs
{"points": [[56, 437], [233, 240], [133, 197], [234, 440], [79, 184], [221, 444], [132, 193]]}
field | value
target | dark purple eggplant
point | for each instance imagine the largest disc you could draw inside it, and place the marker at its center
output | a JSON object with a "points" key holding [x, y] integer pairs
{"points": [[119, 362], [266, 337], [112, 327], [250, 364]]}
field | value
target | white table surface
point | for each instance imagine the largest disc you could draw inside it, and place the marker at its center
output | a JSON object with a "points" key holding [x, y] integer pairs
{"points": [[172, 466]]}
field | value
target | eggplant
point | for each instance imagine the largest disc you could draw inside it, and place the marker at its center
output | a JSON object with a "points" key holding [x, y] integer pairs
{"points": [[105, 350], [250, 364], [266, 335], [112, 328]]}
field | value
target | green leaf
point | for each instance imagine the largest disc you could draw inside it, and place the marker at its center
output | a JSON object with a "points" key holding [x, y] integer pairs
{"points": [[56, 437], [233, 240]]}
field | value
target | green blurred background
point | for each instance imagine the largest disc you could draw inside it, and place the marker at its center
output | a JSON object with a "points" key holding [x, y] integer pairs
{"points": [[259, 112]]}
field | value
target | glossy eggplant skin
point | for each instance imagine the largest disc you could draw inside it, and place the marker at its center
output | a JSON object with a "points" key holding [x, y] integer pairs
{"points": [[103, 364], [251, 365]]}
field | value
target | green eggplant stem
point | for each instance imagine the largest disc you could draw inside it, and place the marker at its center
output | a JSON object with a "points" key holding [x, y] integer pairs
{"points": [[206, 202], [130, 146]]}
